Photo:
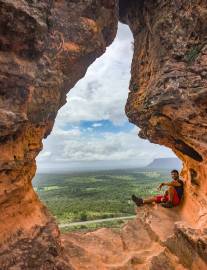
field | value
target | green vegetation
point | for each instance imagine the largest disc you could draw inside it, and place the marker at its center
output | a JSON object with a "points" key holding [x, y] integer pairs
{"points": [[192, 54], [95, 195], [135, 87], [115, 224]]}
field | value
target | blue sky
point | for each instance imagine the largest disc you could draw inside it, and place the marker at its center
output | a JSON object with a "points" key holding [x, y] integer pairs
{"points": [[99, 127], [92, 130]]}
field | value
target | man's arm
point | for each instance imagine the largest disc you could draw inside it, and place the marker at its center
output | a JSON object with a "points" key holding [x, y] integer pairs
{"points": [[170, 184]]}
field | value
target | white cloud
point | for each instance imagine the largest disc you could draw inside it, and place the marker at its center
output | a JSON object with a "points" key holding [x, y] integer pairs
{"points": [[100, 95], [45, 155], [97, 125], [107, 146], [62, 133]]}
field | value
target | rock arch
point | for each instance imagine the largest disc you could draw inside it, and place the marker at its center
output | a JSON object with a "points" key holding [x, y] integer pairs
{"points": [[45, 48]]}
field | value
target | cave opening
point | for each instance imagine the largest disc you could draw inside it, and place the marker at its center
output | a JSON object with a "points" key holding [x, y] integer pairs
{"points": [[92, 135]]}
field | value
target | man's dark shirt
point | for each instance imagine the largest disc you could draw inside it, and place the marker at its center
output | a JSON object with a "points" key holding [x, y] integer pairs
{"points": [[179, 189]]}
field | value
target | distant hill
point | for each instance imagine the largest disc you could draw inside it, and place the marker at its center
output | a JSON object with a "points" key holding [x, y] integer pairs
{"points": [[165, 163]]}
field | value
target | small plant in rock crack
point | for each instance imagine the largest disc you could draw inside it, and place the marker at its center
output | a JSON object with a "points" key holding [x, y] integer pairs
{"points": [[135, 87], [192, 54]]}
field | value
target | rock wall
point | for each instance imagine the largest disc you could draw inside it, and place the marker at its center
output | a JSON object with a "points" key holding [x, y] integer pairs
{"points": [[156, 240], [45, 48], [168, 88]]}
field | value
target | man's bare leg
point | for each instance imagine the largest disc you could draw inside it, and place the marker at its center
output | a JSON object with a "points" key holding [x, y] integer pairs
{"points": [[140, 201], [149, 200]]}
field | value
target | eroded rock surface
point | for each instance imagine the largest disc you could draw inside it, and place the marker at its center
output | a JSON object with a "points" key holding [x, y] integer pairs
{"points": [[45, 48], [156, 239], [168, 85]]}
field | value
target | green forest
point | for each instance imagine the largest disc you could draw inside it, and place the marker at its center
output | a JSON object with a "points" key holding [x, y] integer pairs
{"points": [[86, 196]]}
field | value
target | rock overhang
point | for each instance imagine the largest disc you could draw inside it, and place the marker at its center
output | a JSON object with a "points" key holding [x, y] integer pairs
{"points": [[46, 48]]}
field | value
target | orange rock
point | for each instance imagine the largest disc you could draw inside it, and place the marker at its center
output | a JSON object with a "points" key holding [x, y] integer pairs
{"points": [[38, 41], [45, 48]]}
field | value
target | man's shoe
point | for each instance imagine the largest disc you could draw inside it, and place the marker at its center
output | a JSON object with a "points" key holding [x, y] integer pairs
{"points": [[167, 204], [138, 201]]}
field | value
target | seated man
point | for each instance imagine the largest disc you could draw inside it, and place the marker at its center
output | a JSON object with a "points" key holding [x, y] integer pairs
{"points": [[172, 196]]}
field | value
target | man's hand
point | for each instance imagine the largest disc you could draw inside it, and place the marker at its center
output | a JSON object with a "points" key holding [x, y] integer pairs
{"points": [[161, 185]]}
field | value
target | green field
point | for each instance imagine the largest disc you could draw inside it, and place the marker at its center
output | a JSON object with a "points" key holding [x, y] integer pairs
{"points": [[95, 195]]}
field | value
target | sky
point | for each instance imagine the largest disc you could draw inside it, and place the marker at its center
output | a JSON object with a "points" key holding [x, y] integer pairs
{"points": [[91, 131]]}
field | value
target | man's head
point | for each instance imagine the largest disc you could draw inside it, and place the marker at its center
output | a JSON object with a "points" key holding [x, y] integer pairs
{"points": [[175, 174]]}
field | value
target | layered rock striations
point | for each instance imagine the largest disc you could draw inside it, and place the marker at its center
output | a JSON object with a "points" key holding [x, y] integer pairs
{"points": [[45, 48], [167, 100], [168, 86], [156, 239]]}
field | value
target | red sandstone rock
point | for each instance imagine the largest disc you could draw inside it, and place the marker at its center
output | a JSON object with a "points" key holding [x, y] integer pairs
{"points": [[45, 48], [139, 244], [167, 98]]}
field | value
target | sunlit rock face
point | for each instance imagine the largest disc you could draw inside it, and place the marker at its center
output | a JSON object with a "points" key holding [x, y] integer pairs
{"points": [[45, 48], [168, 101], [168, 88], [155, 240]]}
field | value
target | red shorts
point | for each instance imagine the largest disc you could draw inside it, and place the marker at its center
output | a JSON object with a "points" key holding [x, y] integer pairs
{"points": [[165, 198]]}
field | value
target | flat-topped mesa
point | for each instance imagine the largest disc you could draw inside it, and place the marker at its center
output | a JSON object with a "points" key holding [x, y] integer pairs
{"points": [[168, 88], [45, 48]]}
